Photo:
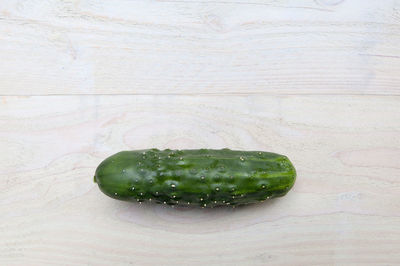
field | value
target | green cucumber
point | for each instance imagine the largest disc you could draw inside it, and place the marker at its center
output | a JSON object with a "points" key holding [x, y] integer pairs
{"points": [[204, 177]]}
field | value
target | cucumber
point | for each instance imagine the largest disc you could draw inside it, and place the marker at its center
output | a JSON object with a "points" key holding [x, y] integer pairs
{"points": [[204, 177]]}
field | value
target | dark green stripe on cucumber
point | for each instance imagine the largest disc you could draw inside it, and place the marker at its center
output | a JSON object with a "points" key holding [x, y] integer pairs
{"points": [[203, 177]]}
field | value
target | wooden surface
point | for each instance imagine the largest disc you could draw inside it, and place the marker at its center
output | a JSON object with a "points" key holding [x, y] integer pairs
{"points": [[318, 81]]}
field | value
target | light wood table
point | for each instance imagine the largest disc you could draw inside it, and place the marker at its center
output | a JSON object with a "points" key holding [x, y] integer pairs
{"points": [[318, 81]]}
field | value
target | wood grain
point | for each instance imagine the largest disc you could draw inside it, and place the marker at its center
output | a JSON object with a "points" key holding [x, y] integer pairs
{"points": [[315, 80], [192, 47], [344, 208]]}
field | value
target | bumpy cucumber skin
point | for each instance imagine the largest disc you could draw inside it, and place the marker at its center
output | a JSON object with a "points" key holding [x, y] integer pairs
{"points": [[205, 177]]}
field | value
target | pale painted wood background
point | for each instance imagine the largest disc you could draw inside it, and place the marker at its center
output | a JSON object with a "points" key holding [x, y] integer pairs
{"points": [[317, 80]]}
